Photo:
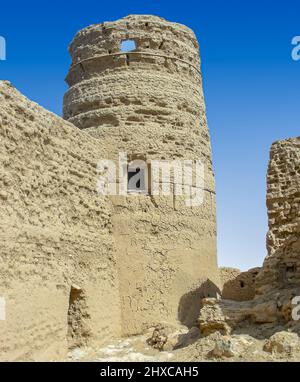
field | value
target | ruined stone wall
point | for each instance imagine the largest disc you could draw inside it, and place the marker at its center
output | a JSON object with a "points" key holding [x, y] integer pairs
{"points": [[57, 257], [282, 266], [149, 102], [237, 285], [278, 281]]}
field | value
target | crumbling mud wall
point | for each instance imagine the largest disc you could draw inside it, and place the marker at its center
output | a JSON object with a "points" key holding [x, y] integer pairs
{"points": [[278, 281], [282, 266], [149, 103], [57, 258], [237, 285]]}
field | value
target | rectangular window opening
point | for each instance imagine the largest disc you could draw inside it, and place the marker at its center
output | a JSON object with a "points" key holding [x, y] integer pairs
{"points": [[127, 46], [138, 177]]}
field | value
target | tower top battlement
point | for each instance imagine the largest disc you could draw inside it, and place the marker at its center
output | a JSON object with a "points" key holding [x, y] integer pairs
{"points": [[149, 32], [156, 43]]}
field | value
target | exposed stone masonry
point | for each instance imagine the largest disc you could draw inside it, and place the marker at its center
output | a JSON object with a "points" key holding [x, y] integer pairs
{"points": [[282, 266], [278, 281]]}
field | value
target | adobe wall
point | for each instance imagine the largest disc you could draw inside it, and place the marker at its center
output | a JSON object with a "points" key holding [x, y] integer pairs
{"points": [[277, 282], [150, 102], [237, 285], [57, 256], [282, 266]]}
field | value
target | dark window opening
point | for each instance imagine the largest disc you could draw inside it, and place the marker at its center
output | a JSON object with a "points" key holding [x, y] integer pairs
{"points": [[242, 284], [138, 176], [291, 269], [136, 180]]}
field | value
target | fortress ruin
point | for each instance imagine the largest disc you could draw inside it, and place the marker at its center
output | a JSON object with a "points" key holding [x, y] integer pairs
{"points": [[79, 268]]}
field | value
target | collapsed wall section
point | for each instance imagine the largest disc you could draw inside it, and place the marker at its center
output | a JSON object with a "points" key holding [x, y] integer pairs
{"points": [[282, 266], [237, 285], [55, 236], [278, 281]]}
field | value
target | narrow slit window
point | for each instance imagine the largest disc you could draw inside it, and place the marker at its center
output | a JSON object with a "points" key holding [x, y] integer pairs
{"points": [[128, 46]]}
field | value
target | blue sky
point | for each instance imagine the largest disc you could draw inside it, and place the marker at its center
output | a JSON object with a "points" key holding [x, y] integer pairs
{"points": [[251, 86]]}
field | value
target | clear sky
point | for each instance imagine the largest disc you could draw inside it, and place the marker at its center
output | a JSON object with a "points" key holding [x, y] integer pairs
{"points": [[251, 86]]}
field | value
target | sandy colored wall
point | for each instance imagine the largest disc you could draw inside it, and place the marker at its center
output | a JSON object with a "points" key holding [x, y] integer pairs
{"points": [[282, 266], [150, 102], [55, 236], [277, 282], [237, 285]]}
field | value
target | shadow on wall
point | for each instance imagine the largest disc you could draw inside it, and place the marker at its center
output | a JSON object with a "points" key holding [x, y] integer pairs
{"points": [[78, 318], [191, 303]]}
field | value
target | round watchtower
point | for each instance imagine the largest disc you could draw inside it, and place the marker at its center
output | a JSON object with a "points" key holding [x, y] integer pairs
{"points": [[136, 85]]}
